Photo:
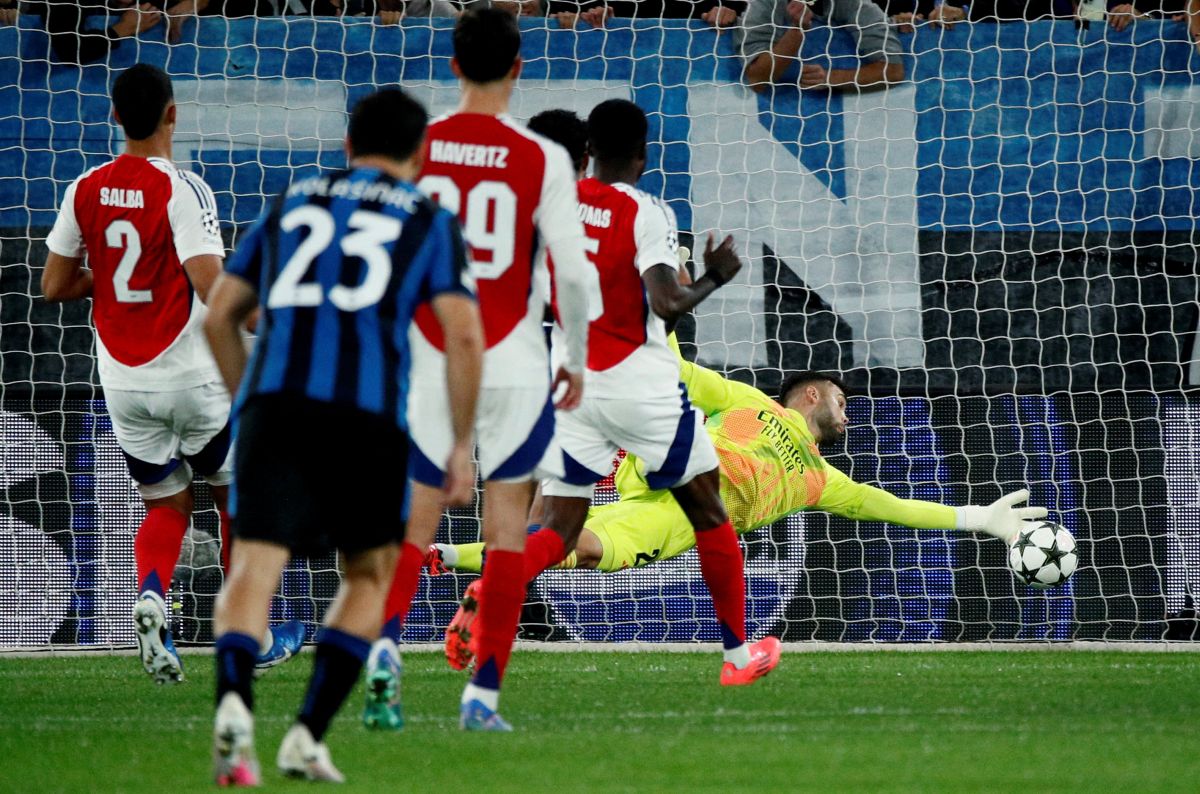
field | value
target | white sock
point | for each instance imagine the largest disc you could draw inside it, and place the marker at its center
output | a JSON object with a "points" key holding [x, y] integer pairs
{"points": [[740, 656], [268, 640], [449, 554], [490, 697]]}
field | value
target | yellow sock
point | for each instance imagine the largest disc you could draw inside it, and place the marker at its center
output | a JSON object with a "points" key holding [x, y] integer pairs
{"points": [[569, 562], [470, 557]]}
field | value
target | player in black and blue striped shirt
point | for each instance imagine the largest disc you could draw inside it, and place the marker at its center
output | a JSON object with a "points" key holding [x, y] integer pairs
{"points": [[339, 263]]}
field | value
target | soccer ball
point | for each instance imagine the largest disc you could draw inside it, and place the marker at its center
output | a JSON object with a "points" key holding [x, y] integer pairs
{"points": [[1043, 555]]}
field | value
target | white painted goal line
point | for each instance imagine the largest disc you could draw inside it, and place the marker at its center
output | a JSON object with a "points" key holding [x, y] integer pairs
{"points": [[20, 652]]}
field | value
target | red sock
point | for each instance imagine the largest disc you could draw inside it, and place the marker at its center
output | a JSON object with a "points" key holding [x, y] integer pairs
{"points": [[404, 587], [542, 549], [721, 566], [226, 540], [156, 548], [495, 626]]}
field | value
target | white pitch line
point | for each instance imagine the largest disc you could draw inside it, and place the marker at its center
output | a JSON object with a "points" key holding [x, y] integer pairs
{"points": [[19, 652]]}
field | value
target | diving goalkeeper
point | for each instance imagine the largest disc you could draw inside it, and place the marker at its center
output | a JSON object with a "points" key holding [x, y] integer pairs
{"points": [[770, 468]]}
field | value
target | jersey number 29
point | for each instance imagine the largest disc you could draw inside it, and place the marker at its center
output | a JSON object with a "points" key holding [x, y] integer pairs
{"points": [[488, 224]]}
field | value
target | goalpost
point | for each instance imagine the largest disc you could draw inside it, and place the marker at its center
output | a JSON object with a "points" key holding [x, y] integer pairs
{"points": [[997, 254]]}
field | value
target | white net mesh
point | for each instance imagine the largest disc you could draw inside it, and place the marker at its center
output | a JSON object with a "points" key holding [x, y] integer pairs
{"points": [[997, 253]]}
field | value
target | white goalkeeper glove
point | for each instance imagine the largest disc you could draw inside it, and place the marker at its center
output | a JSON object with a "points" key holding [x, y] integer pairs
{"points": [[1002, 518]]}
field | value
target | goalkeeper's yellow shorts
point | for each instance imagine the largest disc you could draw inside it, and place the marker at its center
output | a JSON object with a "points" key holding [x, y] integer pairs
{"points": [[636, 532]]}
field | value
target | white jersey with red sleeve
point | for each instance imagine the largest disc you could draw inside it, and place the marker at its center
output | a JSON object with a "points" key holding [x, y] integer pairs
{"points": [[514, 193], [629, 232], [137, 220]]}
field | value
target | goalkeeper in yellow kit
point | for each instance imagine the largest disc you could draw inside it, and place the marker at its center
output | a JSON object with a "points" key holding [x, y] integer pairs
{"points": [[770, 468]]}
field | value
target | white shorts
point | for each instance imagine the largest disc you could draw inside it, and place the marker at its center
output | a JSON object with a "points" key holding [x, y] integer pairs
{"points": [[167, 434], [514, 431], [666, 432]]}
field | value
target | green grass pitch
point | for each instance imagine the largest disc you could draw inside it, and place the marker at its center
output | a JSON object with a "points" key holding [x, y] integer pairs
{"points": [[872, 721]]}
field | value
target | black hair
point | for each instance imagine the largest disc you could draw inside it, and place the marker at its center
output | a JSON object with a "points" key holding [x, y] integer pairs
{"points": [[487, 42], [566, 129], [617, 131], [389, 123], [798, 379], [140, 96]]}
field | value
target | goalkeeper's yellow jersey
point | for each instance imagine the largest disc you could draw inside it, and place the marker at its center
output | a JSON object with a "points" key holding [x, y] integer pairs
{"points": [[770, 465]]}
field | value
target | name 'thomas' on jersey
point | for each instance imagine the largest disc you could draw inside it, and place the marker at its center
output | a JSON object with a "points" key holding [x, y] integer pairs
{"points": [[514, 193], [138, 220], [628, 232]]}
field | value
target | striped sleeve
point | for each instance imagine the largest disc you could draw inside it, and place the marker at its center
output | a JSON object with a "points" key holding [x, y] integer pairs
{"points": [[448, 270], [192, 211]]}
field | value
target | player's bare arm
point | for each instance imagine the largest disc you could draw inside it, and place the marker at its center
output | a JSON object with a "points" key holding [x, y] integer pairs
{"points": [[233, 301], [459, 318], [202, 271], [670, 299], [65, 279]]}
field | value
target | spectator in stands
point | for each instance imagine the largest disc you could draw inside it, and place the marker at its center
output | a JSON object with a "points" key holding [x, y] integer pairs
{"points": [[8, 12], [392, 11], [1010, 10], [719, 13], [907, 14], [1121, 14], [773, 30], [72, 43]]}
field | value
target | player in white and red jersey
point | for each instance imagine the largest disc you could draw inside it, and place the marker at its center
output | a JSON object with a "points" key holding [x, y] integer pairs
{"points": [[514, 193], [153, 245], [633, 395]]}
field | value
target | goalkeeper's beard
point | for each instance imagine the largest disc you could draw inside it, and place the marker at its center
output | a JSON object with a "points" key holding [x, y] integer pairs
{"points": [[824, 426]]}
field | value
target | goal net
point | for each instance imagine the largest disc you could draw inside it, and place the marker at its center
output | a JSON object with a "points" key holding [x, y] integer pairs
{"points": [[997, 253]]}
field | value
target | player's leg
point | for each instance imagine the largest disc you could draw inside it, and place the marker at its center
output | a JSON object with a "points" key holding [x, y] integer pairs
{"points": [[382, 708], [201, 418], [688, 466], [431, 439], [721, 566], [353, 621], [632, 533], [515, 430], [587, 456], [149, 443], [239, 620], [343, 644], [272, 504]]}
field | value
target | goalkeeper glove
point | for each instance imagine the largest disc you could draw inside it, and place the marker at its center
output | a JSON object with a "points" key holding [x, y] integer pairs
{"points": [[1002, 518]]}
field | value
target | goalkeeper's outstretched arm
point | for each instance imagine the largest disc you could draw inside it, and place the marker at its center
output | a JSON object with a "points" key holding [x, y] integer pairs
{"points": [[1001, 519]]}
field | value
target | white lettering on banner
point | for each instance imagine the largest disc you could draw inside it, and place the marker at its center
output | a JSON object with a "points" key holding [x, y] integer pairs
{"points": [[468, 154], [282, 114], [860, 255], [122, 197]]}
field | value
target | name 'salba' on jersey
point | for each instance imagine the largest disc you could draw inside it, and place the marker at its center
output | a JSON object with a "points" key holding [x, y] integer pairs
{"points": [[118, 197]]}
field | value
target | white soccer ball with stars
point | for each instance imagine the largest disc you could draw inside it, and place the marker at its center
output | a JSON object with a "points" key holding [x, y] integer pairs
{"points": [[1043, 555]]}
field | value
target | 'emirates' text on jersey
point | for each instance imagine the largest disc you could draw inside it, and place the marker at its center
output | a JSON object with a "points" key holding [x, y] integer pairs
{"points": [[138, 220], [514, 192], [340, 263], [629, 232]]}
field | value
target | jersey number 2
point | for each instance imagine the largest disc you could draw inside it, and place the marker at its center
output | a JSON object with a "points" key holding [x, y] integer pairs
{"points": [[123, 234], [372, 234]]}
